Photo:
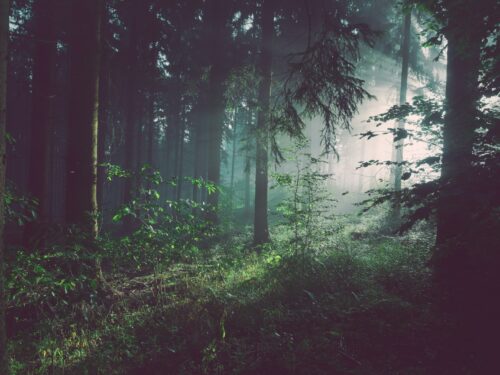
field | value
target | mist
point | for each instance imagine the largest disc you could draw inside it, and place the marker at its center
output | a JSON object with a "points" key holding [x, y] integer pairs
{"points": [[249, 187]]}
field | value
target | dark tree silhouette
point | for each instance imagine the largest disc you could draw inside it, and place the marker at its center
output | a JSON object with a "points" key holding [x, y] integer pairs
{"points": [[42, 116], [81, 194], [264, 68], [4, 39]]}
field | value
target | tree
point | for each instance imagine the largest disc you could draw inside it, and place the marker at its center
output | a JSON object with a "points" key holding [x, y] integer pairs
{"points": [[398, 143], [462, 94], [233, 156], [466, 260], [4, 40], [134, 15], [261, 229], [42, 113], [81, 186], [320, 48], [217, 17]]}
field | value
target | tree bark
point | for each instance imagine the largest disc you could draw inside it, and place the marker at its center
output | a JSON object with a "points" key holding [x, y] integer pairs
{"points": [[104, 116], [81, 197], [399, 144], [198, 130], [132, 131], [459, 131], [151, 129], [180, 161], [466, 261], [261, 229], [217, 17], [4, 41], [173, 140], [233, 158], [42, 116], [248, 167]]}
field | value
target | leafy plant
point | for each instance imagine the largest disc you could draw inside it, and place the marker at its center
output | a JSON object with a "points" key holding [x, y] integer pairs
{"points": [[164, 230], [307, 210]]}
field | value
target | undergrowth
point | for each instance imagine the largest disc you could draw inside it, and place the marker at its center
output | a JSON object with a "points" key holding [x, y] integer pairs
{"points": [[347, 309]]}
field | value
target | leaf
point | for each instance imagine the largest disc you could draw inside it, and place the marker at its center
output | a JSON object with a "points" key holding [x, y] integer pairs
{"points": [[406, 176]]}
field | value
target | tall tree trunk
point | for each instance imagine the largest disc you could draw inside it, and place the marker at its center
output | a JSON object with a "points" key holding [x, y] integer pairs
{"points": [[233, 158], [4, 42], [248, 165], [42, 115], [261, 229], [399, 143], [361, 176], [247, 185], [132, 128], [466, 259], [199, 159], [173, 139], [458, 133], [151, 129], [180, 161], [81, 197], [104, 117], [217, 18], [197, 129]]}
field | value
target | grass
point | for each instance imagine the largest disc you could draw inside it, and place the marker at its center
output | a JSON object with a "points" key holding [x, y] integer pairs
{"points": [[357, 307]]}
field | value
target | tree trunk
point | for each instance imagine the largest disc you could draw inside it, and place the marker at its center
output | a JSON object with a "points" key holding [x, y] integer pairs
{"points": [[81, 197], [399, 144], [233, 159], [180, 161], [458, 134], [217, 17], [42, 116], [4, 42], [151, 129], [248, 166], [261, 230], [197, 163], [173, 139], [132, 129], [466, 260], [104, 118]]}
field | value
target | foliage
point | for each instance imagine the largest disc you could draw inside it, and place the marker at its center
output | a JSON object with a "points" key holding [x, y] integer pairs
{"points": [[164, 230], [19, 209], [420, 197], [334, 311], [308, 205]]}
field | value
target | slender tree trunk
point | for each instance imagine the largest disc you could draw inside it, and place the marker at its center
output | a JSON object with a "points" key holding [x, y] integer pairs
{"points": [[104, 118], [399, 144], [180, 161], [132, 131], [199, 155], [233, 159], [42, 116], [173, 143], [247, 185], [248, 166], [81, 197], [196, 162], [361, 177], [4, 42], [151, 129], [217, 18], [214, 141], [261, 229]]}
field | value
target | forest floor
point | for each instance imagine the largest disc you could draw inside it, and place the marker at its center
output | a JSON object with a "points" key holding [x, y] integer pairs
{"points": [[361, 305]]}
